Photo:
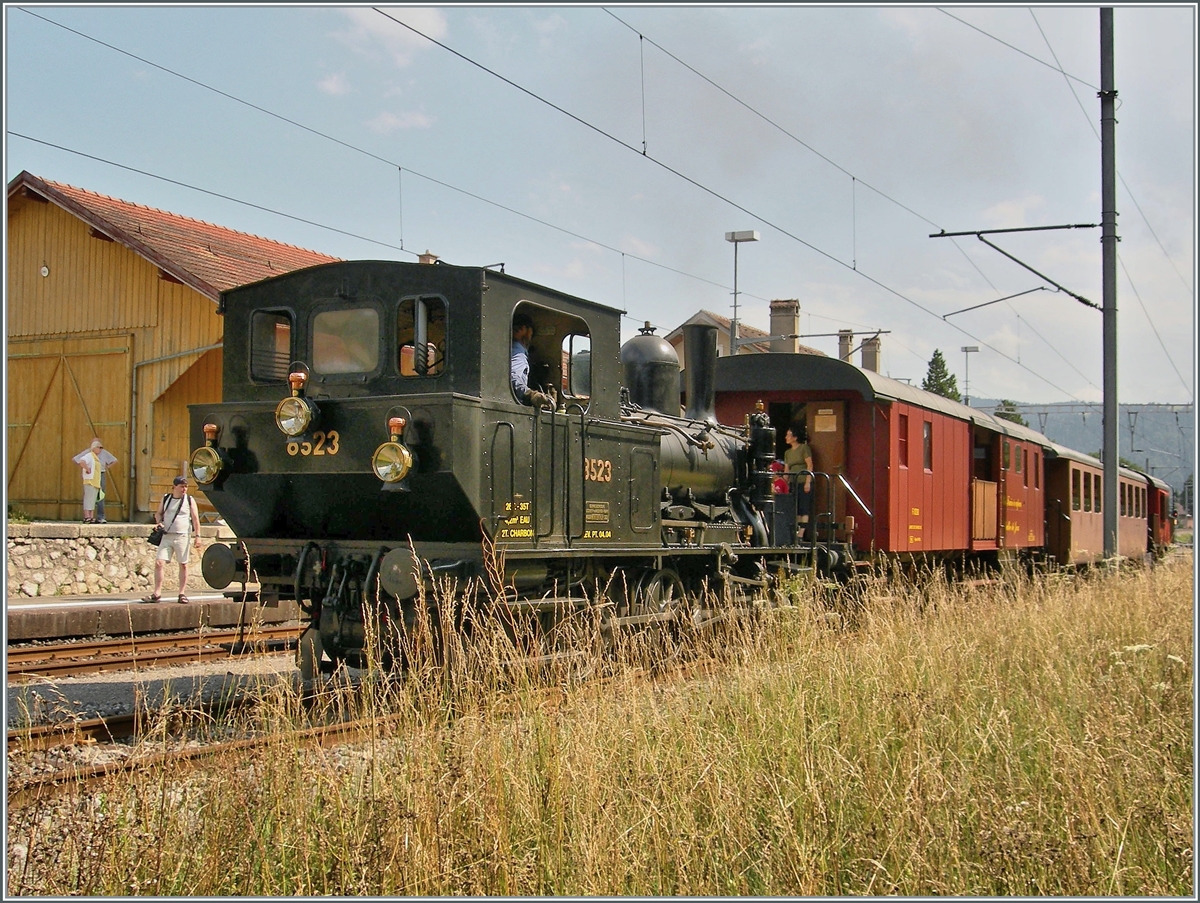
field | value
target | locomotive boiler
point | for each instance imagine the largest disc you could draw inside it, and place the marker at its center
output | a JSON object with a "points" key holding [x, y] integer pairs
{"points": [[369, 448]]}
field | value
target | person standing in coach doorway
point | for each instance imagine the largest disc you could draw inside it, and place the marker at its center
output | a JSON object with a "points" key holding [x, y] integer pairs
{"points": [[94, 462]]}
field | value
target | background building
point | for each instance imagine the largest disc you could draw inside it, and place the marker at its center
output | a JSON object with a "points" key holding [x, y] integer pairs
{"points": [[113, 332], [785, 320]]}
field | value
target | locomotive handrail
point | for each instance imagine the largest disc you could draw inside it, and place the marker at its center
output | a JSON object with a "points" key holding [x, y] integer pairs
{"points": [[537, 421], [301, 561], [512, 467], [850, 489], [372, 572], [578, 471]]}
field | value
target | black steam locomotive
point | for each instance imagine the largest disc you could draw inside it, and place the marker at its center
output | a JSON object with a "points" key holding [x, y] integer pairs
{"points": [[370, 444]]}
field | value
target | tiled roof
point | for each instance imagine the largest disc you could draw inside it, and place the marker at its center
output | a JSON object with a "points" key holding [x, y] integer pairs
{"points": [[208, 258], [745, 330]]}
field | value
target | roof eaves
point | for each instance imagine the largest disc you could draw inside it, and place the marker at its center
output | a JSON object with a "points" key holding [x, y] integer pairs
{"points": [[95, 220]]}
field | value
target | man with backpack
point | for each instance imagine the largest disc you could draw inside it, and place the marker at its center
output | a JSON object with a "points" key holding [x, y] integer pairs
{"points": [[179, 533]]}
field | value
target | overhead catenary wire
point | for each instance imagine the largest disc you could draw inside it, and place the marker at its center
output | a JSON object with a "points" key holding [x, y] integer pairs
{"points": [[345, 144], [488, 201], [349, 146], [855, 180], [714, 193], [1138, 206]]}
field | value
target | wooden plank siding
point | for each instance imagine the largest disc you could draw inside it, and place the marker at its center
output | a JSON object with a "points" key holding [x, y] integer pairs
{"points": [[93, 285], [81, 340]]}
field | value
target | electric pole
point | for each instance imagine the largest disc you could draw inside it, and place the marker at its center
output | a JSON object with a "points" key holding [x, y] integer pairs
{"points": [[1108, 241]]}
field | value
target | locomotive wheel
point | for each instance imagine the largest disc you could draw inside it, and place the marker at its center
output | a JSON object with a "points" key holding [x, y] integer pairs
{"points": [[659, 592]]}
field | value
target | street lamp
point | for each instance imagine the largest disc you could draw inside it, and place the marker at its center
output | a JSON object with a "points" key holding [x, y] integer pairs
{"points": [[967, 350], [737, 238]]}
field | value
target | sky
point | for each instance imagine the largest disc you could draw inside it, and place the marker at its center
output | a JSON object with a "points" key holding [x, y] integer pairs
{"points": [[605, 151]]}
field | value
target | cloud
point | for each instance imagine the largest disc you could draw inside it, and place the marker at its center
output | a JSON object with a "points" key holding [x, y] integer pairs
{"points": [[370, 32], [386, 123], [1014, 213], [335, 83], [631, 245]]}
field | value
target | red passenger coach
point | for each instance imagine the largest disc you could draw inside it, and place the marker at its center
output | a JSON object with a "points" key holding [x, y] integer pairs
{"points": [[918, 473], [1075, 510]]}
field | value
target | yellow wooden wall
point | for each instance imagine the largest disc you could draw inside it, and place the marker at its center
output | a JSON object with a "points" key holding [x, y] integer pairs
{"points": [[89, 335]]}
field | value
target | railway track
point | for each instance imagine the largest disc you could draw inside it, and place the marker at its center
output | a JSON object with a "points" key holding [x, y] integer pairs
{"points": [[72, 658]]}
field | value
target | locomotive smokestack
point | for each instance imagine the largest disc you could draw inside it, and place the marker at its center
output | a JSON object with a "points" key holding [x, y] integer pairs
{"points": [[700, 352]]}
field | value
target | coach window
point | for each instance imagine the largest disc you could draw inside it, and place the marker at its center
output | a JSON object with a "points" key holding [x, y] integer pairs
{"points": [[270, 345], [1096, 493], [903, 451], [1025, 457], [346, 341], [1087, 492], [1018, 454], [1007, 457], [927, 444], [421, 335], [1075, 493], [1123, 506]]}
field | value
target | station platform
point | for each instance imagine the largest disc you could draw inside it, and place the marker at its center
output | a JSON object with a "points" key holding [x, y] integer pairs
{"points": [[123, 614]]}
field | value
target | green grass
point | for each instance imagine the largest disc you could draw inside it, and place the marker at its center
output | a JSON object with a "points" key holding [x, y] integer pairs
{"points": [[1027, 740]]}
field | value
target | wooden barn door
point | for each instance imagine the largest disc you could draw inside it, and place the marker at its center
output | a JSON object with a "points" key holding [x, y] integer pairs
{"points": [[61, 393], [170, 427]]}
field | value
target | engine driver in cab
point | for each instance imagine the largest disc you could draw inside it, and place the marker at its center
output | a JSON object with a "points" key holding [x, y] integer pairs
{"points": [[522, 337]]}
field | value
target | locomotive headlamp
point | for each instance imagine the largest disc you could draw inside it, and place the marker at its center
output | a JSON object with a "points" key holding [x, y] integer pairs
{"points": [[206, 461], [294, 415], [391, 462], [205, 465]]}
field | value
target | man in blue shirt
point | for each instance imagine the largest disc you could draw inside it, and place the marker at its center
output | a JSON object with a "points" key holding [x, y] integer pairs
{"points": [[522, 335]]}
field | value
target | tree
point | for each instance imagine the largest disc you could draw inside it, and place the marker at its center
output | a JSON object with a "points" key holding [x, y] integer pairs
{"points": [[939, 380], [1007, 410], [1183, 498]]}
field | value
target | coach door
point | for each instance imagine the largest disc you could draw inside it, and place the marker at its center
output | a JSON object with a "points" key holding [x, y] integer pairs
{"points": [[985, 491], [826, 422]]}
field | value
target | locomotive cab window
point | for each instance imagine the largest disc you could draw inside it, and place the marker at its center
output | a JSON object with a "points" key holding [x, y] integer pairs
{"points": [[558, 352], [421, 335], [577, 367], [270, 345], [345, 341]]}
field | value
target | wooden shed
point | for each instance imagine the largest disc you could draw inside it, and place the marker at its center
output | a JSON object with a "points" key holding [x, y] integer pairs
{"points": [[113, 332]]}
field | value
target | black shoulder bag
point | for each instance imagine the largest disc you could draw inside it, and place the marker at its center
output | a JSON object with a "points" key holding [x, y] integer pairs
{"points": [[157, 534]]}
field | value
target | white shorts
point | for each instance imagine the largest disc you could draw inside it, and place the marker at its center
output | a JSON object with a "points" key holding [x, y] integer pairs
{"points": [[176, 543]]}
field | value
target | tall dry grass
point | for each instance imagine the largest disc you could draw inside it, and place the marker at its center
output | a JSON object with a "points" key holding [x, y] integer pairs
{"points": [[1032, 739]]}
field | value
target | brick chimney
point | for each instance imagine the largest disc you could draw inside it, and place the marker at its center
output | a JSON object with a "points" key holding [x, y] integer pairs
{"points": [[785, 320], [845, 343], [870, 354], [427, 258]]}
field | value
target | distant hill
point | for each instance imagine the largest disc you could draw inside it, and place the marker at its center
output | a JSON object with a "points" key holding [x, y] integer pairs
{"points": [[1164, 438]]}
